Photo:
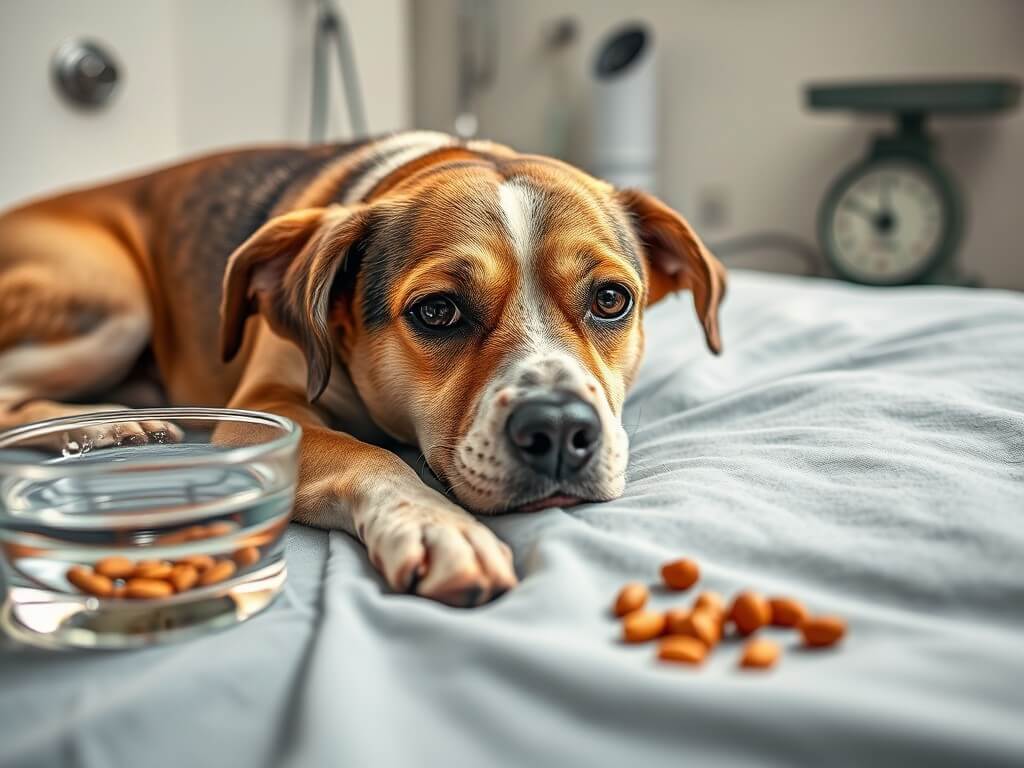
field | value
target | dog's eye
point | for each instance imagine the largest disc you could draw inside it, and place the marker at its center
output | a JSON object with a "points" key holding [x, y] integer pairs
{"points": [[437, 313], [611, 302]]}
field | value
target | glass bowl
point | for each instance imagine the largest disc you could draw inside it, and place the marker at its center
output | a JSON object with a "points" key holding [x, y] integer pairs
{"points": [[127, 528]]}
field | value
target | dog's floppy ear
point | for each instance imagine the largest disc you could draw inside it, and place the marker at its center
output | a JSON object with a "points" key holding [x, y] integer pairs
{"points": [[285, 271], [676, 259]]}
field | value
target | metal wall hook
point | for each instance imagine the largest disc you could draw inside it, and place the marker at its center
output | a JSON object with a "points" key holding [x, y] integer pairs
{"points": [[477, 60], [85, 73], [332, 27]]}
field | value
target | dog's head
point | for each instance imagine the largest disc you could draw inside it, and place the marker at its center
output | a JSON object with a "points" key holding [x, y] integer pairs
{"points": [[487, 307]]}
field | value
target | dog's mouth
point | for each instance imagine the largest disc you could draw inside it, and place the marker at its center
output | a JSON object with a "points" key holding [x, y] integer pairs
{"points": [[554, 500]]}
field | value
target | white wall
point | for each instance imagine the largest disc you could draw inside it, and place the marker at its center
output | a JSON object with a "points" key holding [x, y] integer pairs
{"points": [[197, 74], [732, 73], [247, 69], [44, 142]]}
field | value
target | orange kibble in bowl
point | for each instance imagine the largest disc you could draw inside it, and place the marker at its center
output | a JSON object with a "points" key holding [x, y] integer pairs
{"points": [[148, 589], [152, 569], [115, 567], [749, 612], [680, 574], [246, 556], [200, 562], [631, 597], [641, 626], [194, 533], [89, 582], [183, 577], [822, 631], [221, 570], [221, 528]]}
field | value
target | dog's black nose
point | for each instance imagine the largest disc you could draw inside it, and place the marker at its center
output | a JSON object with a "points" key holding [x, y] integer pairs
{"points": [[554, 434]]}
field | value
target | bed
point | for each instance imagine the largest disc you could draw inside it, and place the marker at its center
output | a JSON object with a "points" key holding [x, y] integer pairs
{"points": [[860, 449]]}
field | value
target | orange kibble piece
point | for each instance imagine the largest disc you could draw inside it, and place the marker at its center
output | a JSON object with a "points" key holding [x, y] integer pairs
{"points": [[682, 649], [199, 562], [631, 597], [183, 577], [680, 574], [822, 631], [93, 583], [152, 569], [221, 528], [675, 619], [170, 538], [716, 622], [750, 611], [115, 567], [148, 589], [702, 625], [787, 612], [246, 556], [221, 570], [710, 601], [17, 551], [760, 654], [641, 626], [195, 533]]}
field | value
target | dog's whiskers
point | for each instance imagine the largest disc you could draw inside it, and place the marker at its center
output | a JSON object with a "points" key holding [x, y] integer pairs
{"points": [[636, 426]]}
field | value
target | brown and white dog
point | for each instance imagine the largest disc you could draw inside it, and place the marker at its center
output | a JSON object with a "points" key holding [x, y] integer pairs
{"points": [[480, 304]]}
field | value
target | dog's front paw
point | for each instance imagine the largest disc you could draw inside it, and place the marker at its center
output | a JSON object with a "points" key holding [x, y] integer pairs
{"points": [[427, 545]]}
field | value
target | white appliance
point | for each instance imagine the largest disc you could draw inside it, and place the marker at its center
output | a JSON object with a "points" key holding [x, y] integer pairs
{"points": [[624, 119]]}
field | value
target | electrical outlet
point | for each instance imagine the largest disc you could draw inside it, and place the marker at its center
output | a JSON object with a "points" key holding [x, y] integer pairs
{"points": [[714, 207]]}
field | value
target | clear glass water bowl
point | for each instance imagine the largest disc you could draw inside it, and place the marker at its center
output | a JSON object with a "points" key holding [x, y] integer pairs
{"points": [[127, 528]]}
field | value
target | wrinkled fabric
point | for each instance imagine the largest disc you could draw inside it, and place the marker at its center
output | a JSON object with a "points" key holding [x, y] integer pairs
{"points": [[860, 449]]}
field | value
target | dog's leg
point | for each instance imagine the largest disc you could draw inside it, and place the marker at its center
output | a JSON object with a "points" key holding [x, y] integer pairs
{"points": [[73, 319], [419, 540]]}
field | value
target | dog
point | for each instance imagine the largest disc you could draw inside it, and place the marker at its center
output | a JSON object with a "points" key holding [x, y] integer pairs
{"points": [[483, 305]]}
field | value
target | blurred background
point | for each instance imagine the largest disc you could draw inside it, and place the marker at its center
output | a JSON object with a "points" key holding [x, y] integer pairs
{"points": [[703, 101]]}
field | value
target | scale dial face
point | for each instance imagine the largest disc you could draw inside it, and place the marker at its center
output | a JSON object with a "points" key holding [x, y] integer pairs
{"points": [[887, 223]]}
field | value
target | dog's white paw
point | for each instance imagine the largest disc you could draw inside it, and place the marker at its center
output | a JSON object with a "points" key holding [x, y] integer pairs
{"points": [[431, 547]]}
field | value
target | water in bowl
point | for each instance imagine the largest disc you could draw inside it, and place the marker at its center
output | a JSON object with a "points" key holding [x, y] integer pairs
{"points": [[233, 515]]}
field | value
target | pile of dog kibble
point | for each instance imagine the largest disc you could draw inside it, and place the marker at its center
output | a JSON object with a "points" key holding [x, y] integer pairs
{"points": [[121, 577], [689, 635]]}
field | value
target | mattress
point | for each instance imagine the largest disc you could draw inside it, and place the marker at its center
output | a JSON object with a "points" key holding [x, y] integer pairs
{"points": [[860, 449]]}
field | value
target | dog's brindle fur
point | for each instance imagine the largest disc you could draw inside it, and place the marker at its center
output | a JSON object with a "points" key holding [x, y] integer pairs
{"points": [[329, 247]]}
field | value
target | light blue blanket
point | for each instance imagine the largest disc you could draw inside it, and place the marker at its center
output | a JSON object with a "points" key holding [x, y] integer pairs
{"points": [[860, 449]]}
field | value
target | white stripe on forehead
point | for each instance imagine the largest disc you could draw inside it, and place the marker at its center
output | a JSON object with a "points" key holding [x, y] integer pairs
{"points": [[522, 211], [394, 152]]}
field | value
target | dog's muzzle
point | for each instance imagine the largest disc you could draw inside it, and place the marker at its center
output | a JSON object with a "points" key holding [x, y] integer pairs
{"points": [[555, 434]]}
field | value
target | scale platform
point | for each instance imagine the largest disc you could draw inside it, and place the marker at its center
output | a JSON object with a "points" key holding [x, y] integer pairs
{"points": [[935, 97]]}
